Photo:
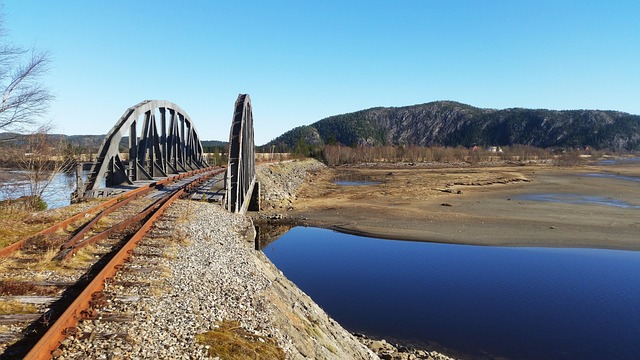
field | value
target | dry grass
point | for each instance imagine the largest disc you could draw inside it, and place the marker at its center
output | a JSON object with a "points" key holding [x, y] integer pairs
{"points": [[331, 348], [164, 271], [103, 224], [13, 226], [186, 214], [15, 307], [35, 261], [312, 330], [17, 223], [208, 237], [181, 237], [230, 341], [45, 261], [5, 265], [42, 243], [83, 257], [170, 252], [158, 289]]}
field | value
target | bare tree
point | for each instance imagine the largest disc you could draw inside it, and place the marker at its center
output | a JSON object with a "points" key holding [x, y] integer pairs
{"points": [[24, 97], [39, 157]]}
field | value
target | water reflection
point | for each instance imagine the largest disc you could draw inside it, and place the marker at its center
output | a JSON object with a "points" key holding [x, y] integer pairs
{"points": [[57, 194], [268, 232], [486, 302]]}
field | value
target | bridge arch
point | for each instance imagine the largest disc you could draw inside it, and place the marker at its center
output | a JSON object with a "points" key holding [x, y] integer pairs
{"points": [[152, 150], [241, 173]]}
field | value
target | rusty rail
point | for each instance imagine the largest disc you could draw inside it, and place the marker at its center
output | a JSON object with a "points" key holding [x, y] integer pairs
{"points": [[67, 321], [71, 248], [104, 206]]}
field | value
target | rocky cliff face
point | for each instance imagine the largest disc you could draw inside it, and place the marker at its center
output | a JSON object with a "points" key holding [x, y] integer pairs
{"points": [[448, 123]]}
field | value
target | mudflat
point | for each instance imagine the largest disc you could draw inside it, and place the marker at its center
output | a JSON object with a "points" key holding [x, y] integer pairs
{"points": [[588, 206]]}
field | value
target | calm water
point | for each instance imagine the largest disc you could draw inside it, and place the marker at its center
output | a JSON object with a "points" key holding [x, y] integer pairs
{"points": [[614, 176], [355, 183], [354, 180], [577, 199], [520, 303], [635, 160], [57, 194]]}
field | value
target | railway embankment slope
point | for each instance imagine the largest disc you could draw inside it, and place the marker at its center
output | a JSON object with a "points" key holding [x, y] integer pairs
{"points": [[212, 280], [280, 184]]}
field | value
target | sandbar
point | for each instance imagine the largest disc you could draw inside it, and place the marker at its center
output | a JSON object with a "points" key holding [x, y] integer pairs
{"points": [[479, 205]]}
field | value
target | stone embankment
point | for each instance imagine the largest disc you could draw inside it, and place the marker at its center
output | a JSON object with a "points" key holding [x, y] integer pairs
{"points": [[279, 184]]}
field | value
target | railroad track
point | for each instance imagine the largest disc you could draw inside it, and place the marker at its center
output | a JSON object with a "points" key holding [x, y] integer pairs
{"points": [[60, 271]]}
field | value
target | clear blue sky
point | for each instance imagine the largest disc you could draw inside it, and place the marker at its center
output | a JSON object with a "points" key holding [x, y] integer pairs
{"points": [[302, 61]]}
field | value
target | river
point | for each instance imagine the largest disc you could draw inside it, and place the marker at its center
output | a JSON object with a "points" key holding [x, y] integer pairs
{"points": [[56, 195], [482, 302]]}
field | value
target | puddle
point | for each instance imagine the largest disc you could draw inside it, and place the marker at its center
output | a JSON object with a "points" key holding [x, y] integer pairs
{"points": [[577, 199], [354, 180], [615, 176], [355, 183], [619, 161]]}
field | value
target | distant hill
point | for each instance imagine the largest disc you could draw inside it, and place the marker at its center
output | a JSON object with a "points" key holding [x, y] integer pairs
{"points": [[93, 142], [86, 141], [450, 123], [213, 143]]}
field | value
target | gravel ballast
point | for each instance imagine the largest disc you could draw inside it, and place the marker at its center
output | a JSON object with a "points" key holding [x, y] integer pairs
{"points": [[197, 268], [164, 298]]}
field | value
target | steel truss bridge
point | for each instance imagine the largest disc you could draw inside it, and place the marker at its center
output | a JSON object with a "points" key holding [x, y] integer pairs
{"points": [[156, 139]]}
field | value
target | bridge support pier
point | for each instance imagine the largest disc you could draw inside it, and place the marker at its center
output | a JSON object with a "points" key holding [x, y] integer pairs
{"points": [[241, 172]]}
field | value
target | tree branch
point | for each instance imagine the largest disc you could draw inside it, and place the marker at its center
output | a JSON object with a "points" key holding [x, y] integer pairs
{"points": [[23, 98]]}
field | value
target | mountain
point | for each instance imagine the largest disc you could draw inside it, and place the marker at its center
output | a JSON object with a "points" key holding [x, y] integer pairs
{"points": [[450, 123]]}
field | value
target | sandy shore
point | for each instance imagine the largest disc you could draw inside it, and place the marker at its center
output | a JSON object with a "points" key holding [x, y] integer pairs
{"points": [[478, 205]]}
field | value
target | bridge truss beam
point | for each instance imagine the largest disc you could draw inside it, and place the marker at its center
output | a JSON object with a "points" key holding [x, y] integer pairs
{"points": [[157, 151], [241, 172]]}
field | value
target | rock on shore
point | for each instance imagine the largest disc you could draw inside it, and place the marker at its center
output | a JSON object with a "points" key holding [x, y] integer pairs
{"points": [[280, 181]]}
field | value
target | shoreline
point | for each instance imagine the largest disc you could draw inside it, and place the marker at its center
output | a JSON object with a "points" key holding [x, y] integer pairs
{"points": [[486, 207], [480, 206]]}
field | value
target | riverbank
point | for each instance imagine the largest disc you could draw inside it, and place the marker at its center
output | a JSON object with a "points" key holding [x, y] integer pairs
{"points": [[280, 183], [592, 206], [489, 205]]}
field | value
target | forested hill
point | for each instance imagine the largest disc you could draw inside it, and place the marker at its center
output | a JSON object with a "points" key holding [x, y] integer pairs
{"points": [[93, 142], [450, 123]]}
